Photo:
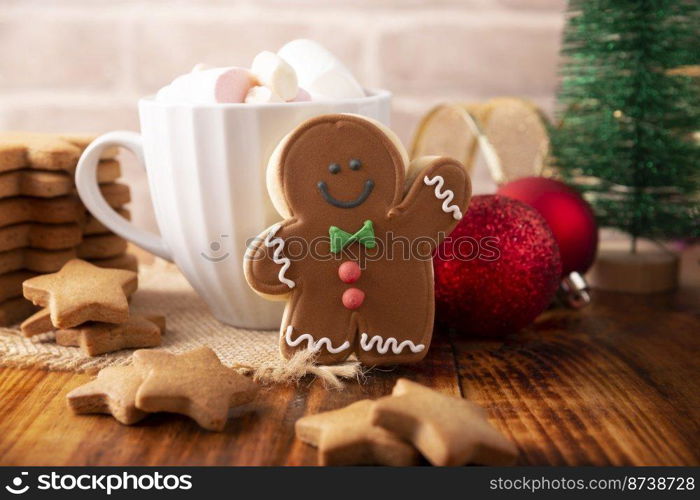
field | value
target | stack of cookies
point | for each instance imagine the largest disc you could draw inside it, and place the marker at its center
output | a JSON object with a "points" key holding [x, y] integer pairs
{"points": [[43, 223], [87, 306]]}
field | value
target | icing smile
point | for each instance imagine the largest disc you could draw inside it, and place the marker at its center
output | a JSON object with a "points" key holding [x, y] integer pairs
{"points": [[323, 188]]}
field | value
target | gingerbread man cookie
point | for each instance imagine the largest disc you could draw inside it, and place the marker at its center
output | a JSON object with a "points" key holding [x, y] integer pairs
{"points": [[353, 255]]}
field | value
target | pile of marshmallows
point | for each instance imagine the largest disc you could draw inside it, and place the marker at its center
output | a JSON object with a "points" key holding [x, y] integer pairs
{"points": [[302, 70]]}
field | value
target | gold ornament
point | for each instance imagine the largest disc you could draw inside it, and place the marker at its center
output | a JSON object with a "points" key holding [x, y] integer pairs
{"points": [[510, 133]]}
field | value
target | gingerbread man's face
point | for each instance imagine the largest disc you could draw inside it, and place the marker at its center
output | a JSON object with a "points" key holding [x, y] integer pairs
{"points": [[339, 168]]}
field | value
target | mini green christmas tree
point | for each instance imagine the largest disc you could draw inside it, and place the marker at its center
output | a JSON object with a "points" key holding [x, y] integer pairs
{"points": [[628, 109]]}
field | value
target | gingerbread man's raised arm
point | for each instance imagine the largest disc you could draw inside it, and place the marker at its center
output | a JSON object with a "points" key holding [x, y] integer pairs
{"points": [[268, 269], [438, 194]]}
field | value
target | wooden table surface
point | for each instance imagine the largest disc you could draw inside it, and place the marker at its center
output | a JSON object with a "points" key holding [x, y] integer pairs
{"points": [[614, 384]]}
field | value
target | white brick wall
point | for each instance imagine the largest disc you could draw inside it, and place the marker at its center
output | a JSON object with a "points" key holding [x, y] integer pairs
{"points": [[82, 64]]}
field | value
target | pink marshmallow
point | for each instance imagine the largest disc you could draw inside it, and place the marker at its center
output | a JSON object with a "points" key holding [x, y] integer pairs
{"points": [[302, 96], [233, 85]]}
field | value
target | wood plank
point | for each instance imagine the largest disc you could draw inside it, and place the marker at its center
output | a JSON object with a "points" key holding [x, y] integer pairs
{"points": [[37, 428], [614, 384]]}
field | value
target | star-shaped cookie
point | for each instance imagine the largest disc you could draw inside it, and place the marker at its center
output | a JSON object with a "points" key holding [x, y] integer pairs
{"points": [[447, 430], [98, 338], [82, 292], [44, 151], [195, 384], [39, 322], [112, 392], [347, 437]]}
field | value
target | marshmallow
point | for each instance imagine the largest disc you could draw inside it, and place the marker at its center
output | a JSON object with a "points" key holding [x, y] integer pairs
{"points": [[302, 96], [209, 86], [320, 72], [262, 95], [233, 85], [276, 74], [166, 94]]}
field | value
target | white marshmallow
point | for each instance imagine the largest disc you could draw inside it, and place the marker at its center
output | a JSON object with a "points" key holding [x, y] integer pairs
{"points": [[320, 72], [276, 74], [262, 95], [209, 86], [166, 94]]}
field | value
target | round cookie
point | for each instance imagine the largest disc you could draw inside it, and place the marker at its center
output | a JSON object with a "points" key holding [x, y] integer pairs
{"points": [[350, 204]]}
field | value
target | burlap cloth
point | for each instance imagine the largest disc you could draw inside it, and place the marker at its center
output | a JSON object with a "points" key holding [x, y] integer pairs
{"points": [[164, 290]]}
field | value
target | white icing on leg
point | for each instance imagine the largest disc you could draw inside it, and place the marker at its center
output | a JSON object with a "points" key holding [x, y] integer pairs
{"points": [[384, 344], [314, 345], [277, 258], [447, 195]]}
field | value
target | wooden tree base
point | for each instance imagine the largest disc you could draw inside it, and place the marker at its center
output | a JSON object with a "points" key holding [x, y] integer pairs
{"points": [[646, 271]]}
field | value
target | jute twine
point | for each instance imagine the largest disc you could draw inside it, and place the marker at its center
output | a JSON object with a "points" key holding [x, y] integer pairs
{"points": [[164, 290]]}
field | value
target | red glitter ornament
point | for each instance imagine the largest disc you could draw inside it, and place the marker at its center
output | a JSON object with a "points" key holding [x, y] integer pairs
{"points": [[498, 270], [569, 217]]}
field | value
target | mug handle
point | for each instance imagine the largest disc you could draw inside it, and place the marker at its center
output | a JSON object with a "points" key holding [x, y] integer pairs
{"points": [[90, 194]]}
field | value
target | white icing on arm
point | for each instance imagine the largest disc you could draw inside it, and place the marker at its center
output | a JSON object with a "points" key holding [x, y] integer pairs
{"points": [[447, 195], [384, 344], [313, 345], [277, 258]]}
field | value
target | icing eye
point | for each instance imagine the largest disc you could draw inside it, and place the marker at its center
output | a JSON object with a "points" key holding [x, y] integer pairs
{"points": [[355, 164], [334, 168]]}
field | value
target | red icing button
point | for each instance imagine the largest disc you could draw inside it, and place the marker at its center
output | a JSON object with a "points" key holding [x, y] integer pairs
{"points": [[349, 272], [353, 298]]}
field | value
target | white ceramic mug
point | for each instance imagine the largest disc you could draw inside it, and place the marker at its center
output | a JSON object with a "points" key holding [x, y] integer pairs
{"points": [[206, 172]]}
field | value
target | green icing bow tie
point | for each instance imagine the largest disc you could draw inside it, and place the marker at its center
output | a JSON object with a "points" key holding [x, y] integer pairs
{"points": [[340, 239]]}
